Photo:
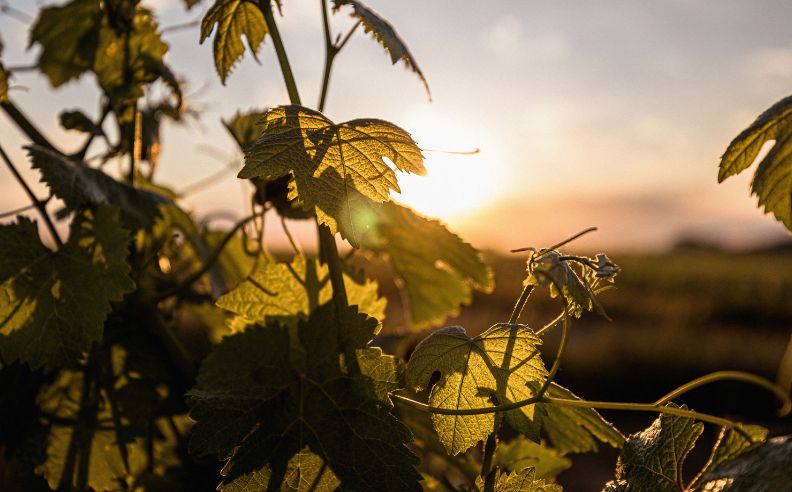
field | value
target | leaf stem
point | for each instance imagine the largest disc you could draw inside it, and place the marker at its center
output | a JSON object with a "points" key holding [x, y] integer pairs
{"points": [[329, 253], [518, 307], [733, 376], [330, 52], [559, 355], [486, 464], [280, 51], [39, 204], [25, 125]]}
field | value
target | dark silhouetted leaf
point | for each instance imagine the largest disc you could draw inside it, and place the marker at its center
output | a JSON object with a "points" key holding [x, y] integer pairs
{"points": [[763, 468], [384, 33], [77, 120], [772, 181], [264, 401], [79, 185], [53, 304], [495, 367], [234, 19], [338, 169], [246, 128], [436, 267]]}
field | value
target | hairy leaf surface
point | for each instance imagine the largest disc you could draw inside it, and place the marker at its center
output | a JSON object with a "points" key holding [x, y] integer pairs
{"points": [[763, 468], [262, 403], [79, 185], [338, 169], [437, 269], [495, 367], [772, 181], [521, 453], [386, 35], [281, 290], [233, 19], [573, 429], [53, 304]]}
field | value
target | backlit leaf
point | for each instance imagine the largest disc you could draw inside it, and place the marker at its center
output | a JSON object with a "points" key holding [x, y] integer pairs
{"points": [[386, 35], [233, 19], [550, 270], [573, 429], [280, 290], [338, 169], [495, 367], [521, 453], [310, 402], [772, 181], [437, 269], [521, 481], [78, 185], [245, 127], [53, 304]]}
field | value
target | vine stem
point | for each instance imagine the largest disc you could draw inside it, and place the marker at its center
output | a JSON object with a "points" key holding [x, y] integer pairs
{"points": [[36, 202], [518, 307], [486, 463], [280, 51], [24, 124]]}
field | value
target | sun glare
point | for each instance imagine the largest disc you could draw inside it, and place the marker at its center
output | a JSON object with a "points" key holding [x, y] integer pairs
{"points": [[454, 184]]}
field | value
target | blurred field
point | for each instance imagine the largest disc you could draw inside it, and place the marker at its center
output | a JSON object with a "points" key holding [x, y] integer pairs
{"points": [[676, 316]]}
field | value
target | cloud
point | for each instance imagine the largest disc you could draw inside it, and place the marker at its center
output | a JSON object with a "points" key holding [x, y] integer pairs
{"points": [[506, 37]]}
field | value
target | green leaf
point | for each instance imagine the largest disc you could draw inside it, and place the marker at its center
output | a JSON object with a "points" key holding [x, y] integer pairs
{"points": [[79, 185], [262, 405], [495, 367], [305, 472], [245, 127], [77, 120], [283, 290], [53, 304], [764, 468], [573, 429], [338, 169], [520, 453], [652, 459], [68, 36], [234, 19], [553, 271], [382, 373], [772, 181], [437, 269], [386, 35], [522, 481], [732, 443]]}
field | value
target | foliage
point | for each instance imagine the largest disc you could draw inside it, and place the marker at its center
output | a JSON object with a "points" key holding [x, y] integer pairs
{"points": [[150, 351]]}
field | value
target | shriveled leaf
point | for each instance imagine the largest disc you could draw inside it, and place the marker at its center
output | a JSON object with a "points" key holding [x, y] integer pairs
{"points": [[437, 269], [576, 430], [68, 36], [772, 181], [520, 453], [652, 459], [386, 35], [275, 403], [495, 367], [763, 468], [79, 185], [245, 128], [281, 290], [521, 481], [233, 19], [53, 304], [551, 270], [338, 169]]}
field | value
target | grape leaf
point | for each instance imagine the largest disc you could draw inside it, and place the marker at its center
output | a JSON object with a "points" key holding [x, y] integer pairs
{"points": [[492, 368], [245, 128], [551, 270], [68, 36], [573, 429], [234, 19], [652, 459], [54, 303], [763, 468], [338, 169], [79, 185], [772, 181], [521, 481], [77, 120], [732, 443], [281, 290], [308, 399], [520, 453], [386, 35], [436, 267], [382, 373], [305, 472]]}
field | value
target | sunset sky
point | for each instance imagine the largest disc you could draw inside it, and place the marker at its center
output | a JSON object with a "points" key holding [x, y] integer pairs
{"points": [[586, 113]]}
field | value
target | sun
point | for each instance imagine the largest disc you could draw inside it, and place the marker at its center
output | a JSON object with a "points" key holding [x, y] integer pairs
{"points": [[455, 184]]}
